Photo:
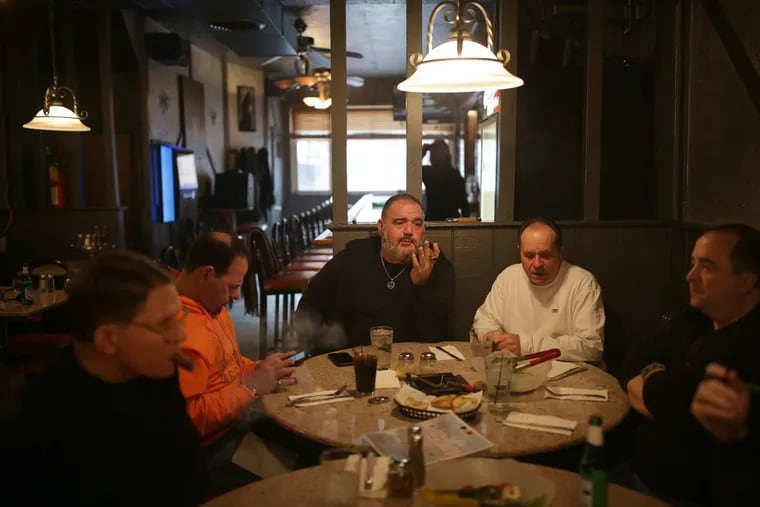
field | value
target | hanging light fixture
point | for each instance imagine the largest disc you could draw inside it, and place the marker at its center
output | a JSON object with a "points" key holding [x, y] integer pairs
{"points": [[54, 115], [459, 65], [321, 101]]}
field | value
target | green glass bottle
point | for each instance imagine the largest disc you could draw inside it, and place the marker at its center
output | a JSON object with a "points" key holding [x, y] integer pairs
{"points": [[593, 470]]}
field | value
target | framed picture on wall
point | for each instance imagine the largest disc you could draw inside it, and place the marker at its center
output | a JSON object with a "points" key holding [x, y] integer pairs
{"points": [[246, 102]]}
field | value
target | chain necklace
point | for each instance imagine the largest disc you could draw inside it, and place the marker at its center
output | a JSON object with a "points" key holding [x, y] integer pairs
{"points": [[391, 282]]}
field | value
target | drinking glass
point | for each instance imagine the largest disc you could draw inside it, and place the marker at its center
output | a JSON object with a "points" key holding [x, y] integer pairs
{"points": [[339, 468], [381, 337], [498, 375], [365, 370], [481, 347]]}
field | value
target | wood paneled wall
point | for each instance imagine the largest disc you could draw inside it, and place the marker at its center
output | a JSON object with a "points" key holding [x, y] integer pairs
{"points": [[640, 266]]}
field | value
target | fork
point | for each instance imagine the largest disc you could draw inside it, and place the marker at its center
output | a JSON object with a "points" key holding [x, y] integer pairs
{"points": [[318, 397]]}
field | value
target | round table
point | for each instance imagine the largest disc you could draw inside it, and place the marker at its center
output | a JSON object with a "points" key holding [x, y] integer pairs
{"points": [[343, 423], [306, 487]]}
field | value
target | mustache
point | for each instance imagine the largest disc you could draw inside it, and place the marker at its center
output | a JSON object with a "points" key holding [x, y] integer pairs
{"points": [[407, 238]]}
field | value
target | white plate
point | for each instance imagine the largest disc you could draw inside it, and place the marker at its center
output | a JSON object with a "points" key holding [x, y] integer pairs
{"points": [[479, 472]]}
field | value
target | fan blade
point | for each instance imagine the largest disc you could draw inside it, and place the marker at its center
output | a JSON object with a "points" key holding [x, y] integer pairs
{"points": [[284, 84], [306, 80], [355, 81], [271, 61], [328, 52]]}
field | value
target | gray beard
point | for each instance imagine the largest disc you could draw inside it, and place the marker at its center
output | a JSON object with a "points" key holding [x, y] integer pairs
{"points": [[403, 258]]}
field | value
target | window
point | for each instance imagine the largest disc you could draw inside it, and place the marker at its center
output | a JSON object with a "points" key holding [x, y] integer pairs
{"points": [[375, 150]]}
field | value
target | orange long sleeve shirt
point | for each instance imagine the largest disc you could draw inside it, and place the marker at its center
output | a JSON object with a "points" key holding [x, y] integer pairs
{"points": [[215, 393]]}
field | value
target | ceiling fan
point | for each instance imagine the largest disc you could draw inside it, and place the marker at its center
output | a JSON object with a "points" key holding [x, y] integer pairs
{"points": [[313, 80], [305, 47]]}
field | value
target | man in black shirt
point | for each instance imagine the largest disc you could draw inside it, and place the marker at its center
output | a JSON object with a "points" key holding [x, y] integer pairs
{"points": [[674, 453], [107, 425], [396, 280]]}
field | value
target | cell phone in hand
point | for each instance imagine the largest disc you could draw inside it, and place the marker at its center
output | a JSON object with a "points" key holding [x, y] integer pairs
{"points": [[340, 358], [299, 358]]}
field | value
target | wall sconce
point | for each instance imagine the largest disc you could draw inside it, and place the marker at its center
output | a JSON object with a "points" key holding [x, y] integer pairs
{"points": [[459, 65], [54, 115]]}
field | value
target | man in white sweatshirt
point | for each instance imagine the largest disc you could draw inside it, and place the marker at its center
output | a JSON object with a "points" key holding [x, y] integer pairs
{"points": [[544, 302]]}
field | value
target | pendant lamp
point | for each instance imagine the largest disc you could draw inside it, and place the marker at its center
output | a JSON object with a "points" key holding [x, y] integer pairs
{"points": [[459, 65], [54, 115]]}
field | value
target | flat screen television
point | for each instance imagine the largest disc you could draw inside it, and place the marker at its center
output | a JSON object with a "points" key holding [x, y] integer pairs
{"points": [[187, 177]]}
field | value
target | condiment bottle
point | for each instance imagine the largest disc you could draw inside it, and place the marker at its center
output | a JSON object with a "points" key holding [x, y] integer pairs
{"points": [[400, 480], [427, 362], [416, 456], [405, 364]]}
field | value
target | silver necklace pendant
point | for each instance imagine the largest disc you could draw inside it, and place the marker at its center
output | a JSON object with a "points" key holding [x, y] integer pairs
{"points": [[391, 284]]}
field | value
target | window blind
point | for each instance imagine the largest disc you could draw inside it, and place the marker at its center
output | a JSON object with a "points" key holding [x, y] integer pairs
{"points": [[361, 122]]}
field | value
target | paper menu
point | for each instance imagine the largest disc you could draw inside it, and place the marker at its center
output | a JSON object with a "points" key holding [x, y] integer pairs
{"points": [[444, 437]]}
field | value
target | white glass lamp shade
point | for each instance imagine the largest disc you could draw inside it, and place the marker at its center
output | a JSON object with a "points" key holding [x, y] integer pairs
{"points": [[59, 118], [443, 71], [317, 102]]}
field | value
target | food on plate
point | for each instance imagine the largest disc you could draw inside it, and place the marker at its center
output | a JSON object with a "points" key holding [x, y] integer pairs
{"points": [[417, 403], [443, 402], [501, 495], [464, 404]]}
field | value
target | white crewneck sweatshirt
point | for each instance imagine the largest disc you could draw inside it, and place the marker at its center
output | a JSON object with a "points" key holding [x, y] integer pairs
{"points": [[567, 314]]}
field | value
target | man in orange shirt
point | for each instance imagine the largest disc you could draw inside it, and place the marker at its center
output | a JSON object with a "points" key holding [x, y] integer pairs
{"points": [[224, 382]]}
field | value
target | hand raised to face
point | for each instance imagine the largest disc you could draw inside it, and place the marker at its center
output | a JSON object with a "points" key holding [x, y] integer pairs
{"points": [[423, 261]]}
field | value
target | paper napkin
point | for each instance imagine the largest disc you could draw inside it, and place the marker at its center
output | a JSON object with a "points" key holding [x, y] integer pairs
{"points": [[563, 369], [387, 379], [379, 473], [575, 393], [443, 356], [547, 423], [343, 397]]}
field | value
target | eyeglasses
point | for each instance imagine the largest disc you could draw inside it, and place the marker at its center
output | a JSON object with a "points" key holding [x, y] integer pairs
{"points": [[166, 326]]}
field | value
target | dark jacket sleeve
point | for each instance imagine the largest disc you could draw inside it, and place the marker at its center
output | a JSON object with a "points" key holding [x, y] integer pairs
{"points": [[434, 304], [318, 302], [735, 467]]}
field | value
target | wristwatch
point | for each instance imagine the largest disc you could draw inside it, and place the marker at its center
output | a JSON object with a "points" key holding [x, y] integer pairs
{"points": [[646, 370]]}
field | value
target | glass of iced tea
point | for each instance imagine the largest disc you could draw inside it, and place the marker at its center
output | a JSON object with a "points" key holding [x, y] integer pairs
{"points": [[365, 370]]}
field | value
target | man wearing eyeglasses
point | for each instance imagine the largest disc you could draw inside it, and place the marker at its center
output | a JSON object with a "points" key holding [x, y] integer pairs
{"points": [[224, 382], [106, 424]]}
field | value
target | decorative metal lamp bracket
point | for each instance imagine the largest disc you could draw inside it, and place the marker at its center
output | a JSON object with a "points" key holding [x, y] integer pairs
{"points": [[460, 14]]}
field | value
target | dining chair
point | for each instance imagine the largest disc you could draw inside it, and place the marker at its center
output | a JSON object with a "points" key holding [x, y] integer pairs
{"points": [[267, 278]]}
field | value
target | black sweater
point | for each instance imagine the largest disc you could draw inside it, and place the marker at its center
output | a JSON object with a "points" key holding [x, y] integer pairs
{"points": [[674, 454], [351, 291], [81, 441]]}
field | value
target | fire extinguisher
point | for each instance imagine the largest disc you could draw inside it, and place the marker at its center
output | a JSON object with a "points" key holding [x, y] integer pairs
{"points": [[55, 176]]}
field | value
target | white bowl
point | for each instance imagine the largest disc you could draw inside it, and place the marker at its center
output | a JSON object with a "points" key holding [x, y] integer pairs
{"points": [[530, 378]]}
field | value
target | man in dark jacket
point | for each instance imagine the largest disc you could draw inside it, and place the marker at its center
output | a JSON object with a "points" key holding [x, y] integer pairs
{"points": [[674, 452], [444, 186], [107, 425], [396, 280]]}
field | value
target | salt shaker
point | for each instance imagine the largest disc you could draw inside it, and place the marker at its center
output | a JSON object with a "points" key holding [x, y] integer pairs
{"points": [[427, 362], [405, 364]]}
